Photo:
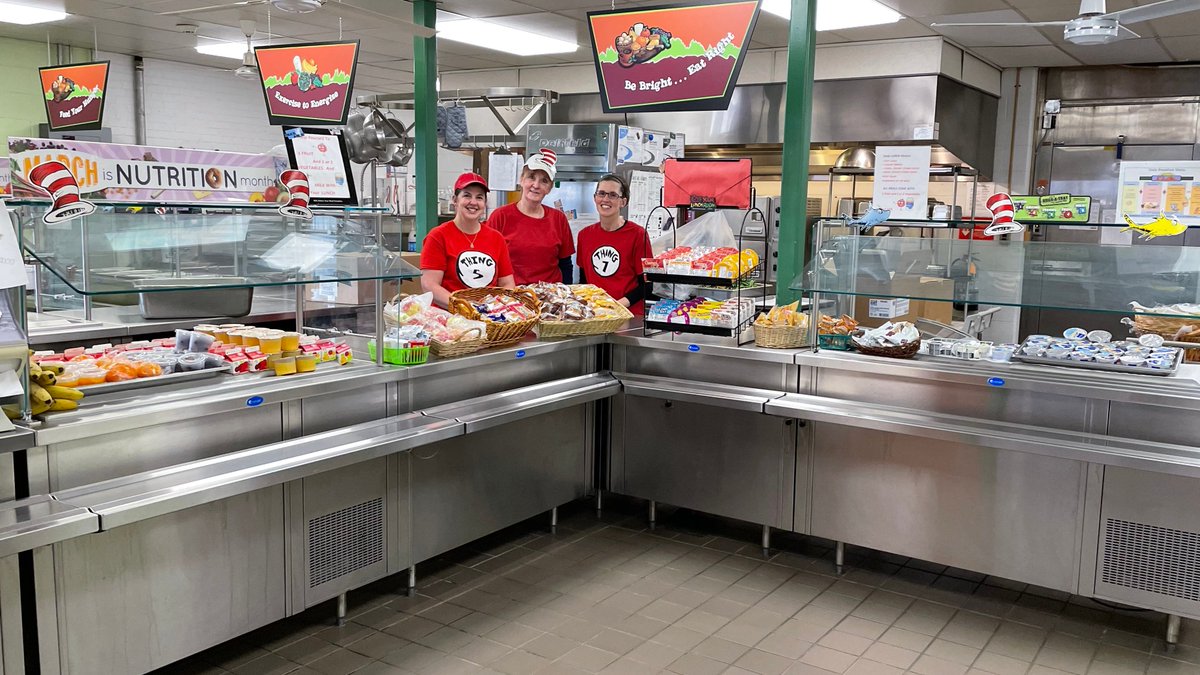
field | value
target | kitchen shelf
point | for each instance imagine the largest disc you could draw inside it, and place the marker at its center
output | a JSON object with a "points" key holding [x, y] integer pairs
{"points": [[693, 329]]}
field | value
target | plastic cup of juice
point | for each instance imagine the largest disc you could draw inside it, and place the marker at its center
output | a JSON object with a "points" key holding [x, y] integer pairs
{"points": [[285, 365], [270, 343], [291, 342], [306, 363], [250, 338]]}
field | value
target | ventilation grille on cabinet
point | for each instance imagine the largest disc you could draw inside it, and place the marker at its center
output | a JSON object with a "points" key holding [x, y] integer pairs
{"points": [[1153, 559], [345, 541]]}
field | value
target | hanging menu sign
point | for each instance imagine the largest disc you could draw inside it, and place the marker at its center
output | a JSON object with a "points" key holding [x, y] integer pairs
{"points": [[682, 57], [902, 180], [308, 83], [74, 95]]}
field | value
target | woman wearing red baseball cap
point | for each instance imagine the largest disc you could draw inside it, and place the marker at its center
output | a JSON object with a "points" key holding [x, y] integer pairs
{"points": [[464, 253], [539, 237]]}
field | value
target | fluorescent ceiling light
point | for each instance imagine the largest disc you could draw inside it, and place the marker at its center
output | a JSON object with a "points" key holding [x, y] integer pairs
{"points": [[226, 50], [26, 16], [501, 38], [839, 14]]}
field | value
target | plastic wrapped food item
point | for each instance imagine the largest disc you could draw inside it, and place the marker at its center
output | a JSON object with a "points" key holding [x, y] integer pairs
{"points": [[200, 343], [120, 372], [183, 340], [192, 361]]}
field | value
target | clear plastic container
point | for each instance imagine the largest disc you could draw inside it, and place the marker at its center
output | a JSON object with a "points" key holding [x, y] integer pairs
{"points": [[306, 363], [271, 343], [291, 342], [91, 376], [285, 365], [250, 338]]}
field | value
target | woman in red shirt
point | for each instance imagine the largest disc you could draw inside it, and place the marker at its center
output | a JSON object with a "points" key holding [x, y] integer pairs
{"points": [[539, 238], [611, 251], [465, 253]]}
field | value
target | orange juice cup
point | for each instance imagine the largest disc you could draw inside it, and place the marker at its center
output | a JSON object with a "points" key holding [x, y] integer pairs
{"points": [[291, 342], [306, 363], [250, 338], [285, 366], [271, 343]]}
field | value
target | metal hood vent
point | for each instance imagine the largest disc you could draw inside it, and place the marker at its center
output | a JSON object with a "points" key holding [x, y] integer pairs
{"points": [[846, 113]]}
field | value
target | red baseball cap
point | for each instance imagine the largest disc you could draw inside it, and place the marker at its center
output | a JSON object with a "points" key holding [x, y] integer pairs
{"points": [[469, 178]]}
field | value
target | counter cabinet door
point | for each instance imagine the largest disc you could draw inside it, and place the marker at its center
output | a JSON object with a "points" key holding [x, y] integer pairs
{"points": [[726, 462]]}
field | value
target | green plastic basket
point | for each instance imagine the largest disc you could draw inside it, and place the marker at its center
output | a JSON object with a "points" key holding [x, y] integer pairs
{"points": [[404, 356], [839, 343]]}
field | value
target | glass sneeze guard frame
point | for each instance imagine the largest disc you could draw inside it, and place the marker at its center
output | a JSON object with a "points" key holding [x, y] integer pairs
{"points": [[1097, 277]]}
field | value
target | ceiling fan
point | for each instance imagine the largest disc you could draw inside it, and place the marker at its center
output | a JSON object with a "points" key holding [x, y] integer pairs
{"points": [[1096, 26], [249, 68], [305, 6]]}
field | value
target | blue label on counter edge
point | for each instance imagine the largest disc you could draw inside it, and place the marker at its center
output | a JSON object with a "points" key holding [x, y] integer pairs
{"points": [[693, 348], [520, 353], [254, 401], [996, 381]]}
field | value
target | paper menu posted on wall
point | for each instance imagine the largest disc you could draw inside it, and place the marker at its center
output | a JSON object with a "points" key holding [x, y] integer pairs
{"points": [[12, 263], [902, 180], [503, 171], [645, 195], [320, 158], [1150, 189]]}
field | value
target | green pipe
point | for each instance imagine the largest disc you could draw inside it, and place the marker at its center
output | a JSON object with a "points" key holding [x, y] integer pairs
{"points": [[425, 97], [797, 129]]}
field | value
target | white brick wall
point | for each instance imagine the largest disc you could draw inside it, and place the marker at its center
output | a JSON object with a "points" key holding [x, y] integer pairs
{"points": [[118, 107]]}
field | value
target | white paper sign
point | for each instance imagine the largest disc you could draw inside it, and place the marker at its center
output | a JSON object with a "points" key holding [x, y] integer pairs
{"points": [[503, 171], [12, 264], [320, 158], [902, 180], [645, 194], [1149, 189], [630, 148]]}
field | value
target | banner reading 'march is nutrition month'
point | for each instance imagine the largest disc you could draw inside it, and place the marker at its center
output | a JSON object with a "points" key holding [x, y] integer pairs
{"points": [[682, 57]]}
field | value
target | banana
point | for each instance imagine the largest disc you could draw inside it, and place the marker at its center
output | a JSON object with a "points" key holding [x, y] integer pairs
{"points": [[12, 412], [46, 378], [38, 407], [34, 370], [64, 393], [39, 394], [63, 404], [56, 368]]}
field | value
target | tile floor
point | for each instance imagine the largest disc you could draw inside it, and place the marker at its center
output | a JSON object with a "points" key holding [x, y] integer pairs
{"points": [[696, 597]]}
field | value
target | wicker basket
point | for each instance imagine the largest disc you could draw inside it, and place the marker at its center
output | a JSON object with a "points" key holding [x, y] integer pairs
{"points": [[498, 334], [459, 347], [780, 337], [902, 352], [557, 329]]}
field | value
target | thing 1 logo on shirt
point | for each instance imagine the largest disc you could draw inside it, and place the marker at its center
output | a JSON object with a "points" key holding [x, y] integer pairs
{"points": [[606, 260], [476, 269]]}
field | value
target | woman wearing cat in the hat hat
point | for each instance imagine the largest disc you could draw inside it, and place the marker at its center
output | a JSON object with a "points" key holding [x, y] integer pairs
{"points": [[539, 237]]}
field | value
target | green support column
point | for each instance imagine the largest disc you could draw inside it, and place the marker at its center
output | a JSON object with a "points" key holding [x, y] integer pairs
{"points": [[797, 129], [425, 98]]}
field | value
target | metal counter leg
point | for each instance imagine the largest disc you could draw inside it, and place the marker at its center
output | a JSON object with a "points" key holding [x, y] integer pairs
{"points": [[341, 610], [766, 541], [653, 514], [599, 501], [840, 557], [412, 581], [1174, 624], [554, 520]]}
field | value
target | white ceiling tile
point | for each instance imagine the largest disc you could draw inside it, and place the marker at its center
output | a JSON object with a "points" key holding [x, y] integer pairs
{"points": [[1123, 51], [1015, 57], [1182, 48]]}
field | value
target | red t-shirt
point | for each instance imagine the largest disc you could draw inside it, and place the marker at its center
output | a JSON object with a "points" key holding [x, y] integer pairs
{"points": [[613, 260], [535, 244], [466, 261]]}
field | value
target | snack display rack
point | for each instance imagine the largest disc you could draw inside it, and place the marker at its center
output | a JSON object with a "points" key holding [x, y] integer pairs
{"points": [[731, 285]]}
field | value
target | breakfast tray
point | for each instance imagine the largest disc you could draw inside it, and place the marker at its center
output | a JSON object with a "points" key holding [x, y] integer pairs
{"points": [[1092, 365]]}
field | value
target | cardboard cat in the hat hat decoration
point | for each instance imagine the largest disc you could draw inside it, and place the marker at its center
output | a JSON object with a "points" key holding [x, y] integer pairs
{"points": [[296, 183], [1001, 206], [57, 181]]}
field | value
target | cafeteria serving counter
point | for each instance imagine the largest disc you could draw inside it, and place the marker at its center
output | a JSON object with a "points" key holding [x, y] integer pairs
{"points": [[247, 514]]}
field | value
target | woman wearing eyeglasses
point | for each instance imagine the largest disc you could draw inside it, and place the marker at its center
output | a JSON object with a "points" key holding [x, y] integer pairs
{"points": [[611, 251]]}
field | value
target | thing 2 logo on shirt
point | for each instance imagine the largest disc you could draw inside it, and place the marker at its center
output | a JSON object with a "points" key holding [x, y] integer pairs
{"points": [[476, 269], [606, 260]]}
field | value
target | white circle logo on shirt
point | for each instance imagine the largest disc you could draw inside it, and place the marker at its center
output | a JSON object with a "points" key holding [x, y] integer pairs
{"points": [[606, 260], [476, 269]]}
